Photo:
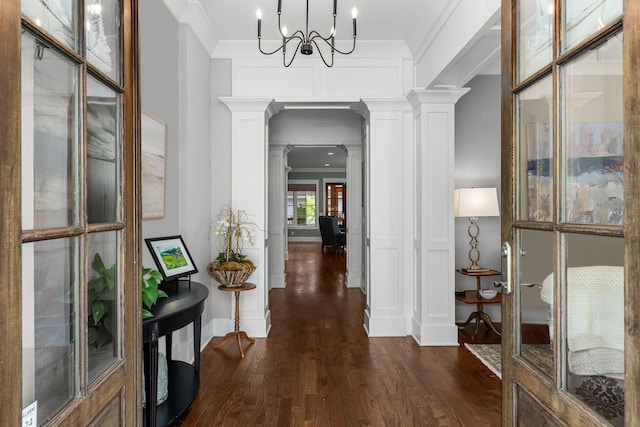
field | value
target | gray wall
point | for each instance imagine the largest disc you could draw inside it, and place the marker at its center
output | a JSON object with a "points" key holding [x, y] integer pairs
{"points": [[176, 88], [159, 93], [477, 164]]}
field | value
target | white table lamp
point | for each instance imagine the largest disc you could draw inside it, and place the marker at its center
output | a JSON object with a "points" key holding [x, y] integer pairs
{"points": [[474, 203]]}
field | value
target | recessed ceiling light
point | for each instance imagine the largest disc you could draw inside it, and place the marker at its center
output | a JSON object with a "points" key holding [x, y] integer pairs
{"points": [[327, 164], [331, 154]]}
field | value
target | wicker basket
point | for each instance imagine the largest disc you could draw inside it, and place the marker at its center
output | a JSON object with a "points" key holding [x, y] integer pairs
{"points": [[230, 278]]}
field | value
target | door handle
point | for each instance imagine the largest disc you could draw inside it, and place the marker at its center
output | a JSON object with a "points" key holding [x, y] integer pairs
{"points": [[505, 252]]}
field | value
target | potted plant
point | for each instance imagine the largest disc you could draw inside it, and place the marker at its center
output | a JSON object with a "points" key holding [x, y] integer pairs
{"points": [[101, 295], [231, 267]]}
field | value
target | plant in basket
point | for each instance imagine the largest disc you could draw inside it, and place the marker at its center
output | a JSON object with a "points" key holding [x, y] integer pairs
{"points": [[231, 267]]}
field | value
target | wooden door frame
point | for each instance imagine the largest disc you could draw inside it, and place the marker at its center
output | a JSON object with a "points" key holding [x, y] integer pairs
{"points": [[121, 385], [10, 214], [543, 390]]}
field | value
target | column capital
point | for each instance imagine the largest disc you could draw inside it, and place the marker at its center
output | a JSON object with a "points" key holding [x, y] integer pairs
{"points": [[248, 105], [418, 97]]}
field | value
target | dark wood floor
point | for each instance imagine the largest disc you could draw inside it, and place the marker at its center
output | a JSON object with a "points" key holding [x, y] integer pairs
{"points": [[319, 368]]}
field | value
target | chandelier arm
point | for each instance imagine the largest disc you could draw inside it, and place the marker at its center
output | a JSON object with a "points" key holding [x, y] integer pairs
{"points": [[283, 45], [321, 55], [295, 52], [336, 49]]}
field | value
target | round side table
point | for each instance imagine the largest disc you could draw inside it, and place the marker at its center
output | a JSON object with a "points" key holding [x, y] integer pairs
{"points": [[237, 334]]}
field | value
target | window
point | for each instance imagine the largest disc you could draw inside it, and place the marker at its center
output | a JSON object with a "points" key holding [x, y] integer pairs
{"points": [[301, 204]]}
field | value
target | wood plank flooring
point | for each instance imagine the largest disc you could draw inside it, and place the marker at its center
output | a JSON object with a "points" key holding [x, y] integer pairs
{"points": [[319, 368]]}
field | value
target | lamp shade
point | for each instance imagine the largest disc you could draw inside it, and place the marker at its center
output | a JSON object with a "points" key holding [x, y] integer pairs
{"points": [[476, 202]]}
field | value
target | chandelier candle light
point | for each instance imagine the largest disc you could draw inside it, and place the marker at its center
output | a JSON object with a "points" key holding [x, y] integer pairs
{"points": [[474, 203], [307, 39]]}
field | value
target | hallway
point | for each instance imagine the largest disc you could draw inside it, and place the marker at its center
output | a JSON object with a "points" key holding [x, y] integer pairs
{"points": [[319, 368]]}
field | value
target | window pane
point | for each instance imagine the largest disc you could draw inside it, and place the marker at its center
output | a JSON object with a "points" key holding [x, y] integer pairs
{"points": [[49, 331], [290, 210], [103, 36], [593, 136], [594, 328], [57, 17], [534, 27], [103, 302], [582, 18], [535, 262], [49, 138], [535, 154], [103, 172]]}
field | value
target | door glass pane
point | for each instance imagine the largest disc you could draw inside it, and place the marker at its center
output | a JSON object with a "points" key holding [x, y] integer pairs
{"points": [[534, 32], [594, 327], [103, 172], [103, 36], [535, 153], [592, 136], [50, 189], [49, 327], [57, 17], [582, 18], [103, 302], [535, 262]]}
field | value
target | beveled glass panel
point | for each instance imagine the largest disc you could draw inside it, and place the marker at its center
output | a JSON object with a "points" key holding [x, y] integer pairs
{"points": [[103, 302], [50, 167], [534, 49], [49, 327], [535, 152], [103, 147], [594, 326], [57, 17], [535, 264], [592, 136], [104, 36], [582, 18]]}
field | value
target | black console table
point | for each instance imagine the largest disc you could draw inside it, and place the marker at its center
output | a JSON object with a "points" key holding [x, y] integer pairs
{"points": [[184, 306]]}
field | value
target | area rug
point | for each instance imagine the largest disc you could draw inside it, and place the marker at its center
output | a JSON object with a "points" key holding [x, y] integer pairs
{"points": [[602, 394]]}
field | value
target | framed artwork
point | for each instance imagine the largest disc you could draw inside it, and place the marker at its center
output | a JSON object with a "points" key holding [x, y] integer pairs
{"points": [[171, 256], [153, 166]]}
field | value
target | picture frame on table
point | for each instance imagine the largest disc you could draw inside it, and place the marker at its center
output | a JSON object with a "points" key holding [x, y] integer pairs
{"points": [[171, 256]]}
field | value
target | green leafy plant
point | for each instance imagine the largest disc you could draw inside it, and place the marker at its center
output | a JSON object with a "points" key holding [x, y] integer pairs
{"points": [[101, 297], [150, 292]]}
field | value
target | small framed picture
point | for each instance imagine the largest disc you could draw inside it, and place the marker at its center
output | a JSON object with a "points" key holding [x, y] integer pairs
{"points": [[171, 256]]}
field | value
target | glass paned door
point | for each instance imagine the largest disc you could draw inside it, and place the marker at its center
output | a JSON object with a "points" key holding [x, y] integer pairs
{"points": [[76, 232], [566, 182]]}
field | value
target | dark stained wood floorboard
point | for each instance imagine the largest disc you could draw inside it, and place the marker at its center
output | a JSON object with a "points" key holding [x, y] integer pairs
{"points": [[319, 368]]}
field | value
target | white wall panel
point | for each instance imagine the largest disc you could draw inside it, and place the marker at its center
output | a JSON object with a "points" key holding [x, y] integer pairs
{"points": [[351, 79], [352, 82], [437, 128], [385, 267], [385, 171], [272, 81], [436, 295]]}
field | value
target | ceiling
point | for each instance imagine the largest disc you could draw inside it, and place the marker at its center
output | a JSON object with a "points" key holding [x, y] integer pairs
{"points": [[410, 21], [377, 19], [317, 158]]}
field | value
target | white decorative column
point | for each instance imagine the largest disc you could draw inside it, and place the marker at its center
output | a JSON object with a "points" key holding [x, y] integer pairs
{"points": [[355, 239], [249, 147], [389, 214], [434, 239], [277, 215]]}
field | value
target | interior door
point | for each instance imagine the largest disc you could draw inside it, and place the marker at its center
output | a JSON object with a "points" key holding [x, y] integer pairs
{"points": [[566, 220], [71, 234]]}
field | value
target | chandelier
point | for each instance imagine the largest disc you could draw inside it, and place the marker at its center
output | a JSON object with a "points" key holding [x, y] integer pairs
{"points": [[307, 39]]}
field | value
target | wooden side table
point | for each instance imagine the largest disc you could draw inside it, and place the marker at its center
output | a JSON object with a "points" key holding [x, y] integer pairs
{"points": [[473, 297], [237, 334]]}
